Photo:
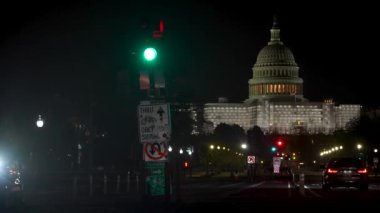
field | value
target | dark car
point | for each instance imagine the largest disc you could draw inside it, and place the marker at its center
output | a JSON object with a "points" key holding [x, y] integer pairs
{"points": [[345, 172]]}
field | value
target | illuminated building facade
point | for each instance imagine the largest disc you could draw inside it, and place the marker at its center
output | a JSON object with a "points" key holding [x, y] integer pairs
{"points": [[276, 102]]}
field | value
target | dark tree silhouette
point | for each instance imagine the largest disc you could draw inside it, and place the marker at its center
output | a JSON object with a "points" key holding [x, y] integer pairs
{"points": [[230, 135]]}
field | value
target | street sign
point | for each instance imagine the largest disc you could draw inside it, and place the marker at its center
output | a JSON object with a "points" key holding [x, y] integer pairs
{"points": [[155, 151], [276, 164], [155, 178], [251, 159], [154, 123]]}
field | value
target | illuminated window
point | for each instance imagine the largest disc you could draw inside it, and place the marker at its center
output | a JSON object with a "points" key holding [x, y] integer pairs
{"points": [[275, 88], [271, 88]]}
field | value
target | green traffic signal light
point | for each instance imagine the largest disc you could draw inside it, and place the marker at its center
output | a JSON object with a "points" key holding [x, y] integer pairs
{"points": [[150, 54]]}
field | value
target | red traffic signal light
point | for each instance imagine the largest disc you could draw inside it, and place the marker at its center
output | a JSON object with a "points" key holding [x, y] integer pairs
{"points": [[186, 164], [280, 144]]}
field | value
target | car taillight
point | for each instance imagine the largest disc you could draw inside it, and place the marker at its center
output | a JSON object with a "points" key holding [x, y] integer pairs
{"points": [[332, 171], [362, 171]]}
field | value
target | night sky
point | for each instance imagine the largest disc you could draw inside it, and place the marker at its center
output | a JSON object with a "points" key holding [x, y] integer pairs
{"points": [[54, 54]]}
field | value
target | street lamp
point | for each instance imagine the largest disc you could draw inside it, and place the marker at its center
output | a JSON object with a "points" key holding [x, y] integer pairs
{"points": [[359, 146], [244, 146], [375, 150], [39, 122]]}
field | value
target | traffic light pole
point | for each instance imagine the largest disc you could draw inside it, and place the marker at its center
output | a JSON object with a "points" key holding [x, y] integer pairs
{"points": [[151, 84]]}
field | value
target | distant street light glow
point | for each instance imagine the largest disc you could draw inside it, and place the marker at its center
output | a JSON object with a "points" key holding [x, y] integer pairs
{"points": [[244, 146], [359, 146], [40, 122]]}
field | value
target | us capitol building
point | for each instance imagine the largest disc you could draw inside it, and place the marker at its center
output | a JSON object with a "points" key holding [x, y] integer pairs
{"points": [[276, 103]]}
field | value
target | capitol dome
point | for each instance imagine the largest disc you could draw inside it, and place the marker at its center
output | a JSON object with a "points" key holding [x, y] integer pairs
{"points": [[275, 55], [275, 73]]}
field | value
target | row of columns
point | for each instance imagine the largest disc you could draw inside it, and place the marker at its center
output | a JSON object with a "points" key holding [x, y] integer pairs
{"points": [[264, 89]]}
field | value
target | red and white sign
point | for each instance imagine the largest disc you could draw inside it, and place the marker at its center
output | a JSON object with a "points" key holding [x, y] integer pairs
{"points": [[157, 151], [276, 170], [251, 159], [276, 164]]}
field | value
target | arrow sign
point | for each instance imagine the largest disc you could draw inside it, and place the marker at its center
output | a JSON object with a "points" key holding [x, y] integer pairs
{"points": [[154, 123]]}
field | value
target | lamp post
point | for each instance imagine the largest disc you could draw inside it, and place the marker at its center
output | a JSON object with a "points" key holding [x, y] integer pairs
{"points": [[177, 164], [359, 147], [362, 151], [40, 122], [79, 128]]}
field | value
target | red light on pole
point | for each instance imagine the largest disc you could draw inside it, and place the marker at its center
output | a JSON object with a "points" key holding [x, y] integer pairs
{"points": [[280, 143], [161, 26], [186, 164], [159, 33]]}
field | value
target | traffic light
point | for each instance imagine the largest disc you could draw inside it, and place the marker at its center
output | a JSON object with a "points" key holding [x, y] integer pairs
{"points": [[280, 144], [152, 80], [273, 149], [186, 164], [150, 53]]}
